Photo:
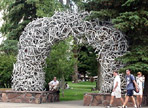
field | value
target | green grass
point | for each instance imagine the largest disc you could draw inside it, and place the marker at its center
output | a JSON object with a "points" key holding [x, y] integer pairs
{"points": [[77, 90]]}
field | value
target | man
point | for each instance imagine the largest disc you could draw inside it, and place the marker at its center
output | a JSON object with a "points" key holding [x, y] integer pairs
{"points": [[130, 82], [116, 92], [53, 85]]}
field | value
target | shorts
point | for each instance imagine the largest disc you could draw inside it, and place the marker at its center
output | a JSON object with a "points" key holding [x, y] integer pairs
{"points": [[117, 94], [130, 92]]}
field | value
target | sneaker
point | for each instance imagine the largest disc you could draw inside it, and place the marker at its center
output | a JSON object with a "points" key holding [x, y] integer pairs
{"points": [[139, 106], [121, 107], [109, 106], [135, 106]]}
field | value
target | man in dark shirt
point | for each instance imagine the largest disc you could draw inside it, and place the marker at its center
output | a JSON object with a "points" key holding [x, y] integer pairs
{"points": [[130, 82]]}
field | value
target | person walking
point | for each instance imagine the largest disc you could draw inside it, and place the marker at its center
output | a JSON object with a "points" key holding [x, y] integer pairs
{"points": [[116, 92], [140, 81], [130, 86]]}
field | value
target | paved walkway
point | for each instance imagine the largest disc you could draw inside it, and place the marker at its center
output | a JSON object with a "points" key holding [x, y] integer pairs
{"points": [[66, 104]]}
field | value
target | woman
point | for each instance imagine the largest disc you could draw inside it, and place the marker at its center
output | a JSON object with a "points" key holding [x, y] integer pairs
{"points": [[139, 80]]}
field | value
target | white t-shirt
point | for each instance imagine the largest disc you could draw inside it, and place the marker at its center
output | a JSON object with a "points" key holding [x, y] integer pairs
{"points": [[117, 79], [54, 82]]}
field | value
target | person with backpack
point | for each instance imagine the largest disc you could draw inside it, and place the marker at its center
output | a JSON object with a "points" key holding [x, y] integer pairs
{"points": [[140, 81], [130, 86]]}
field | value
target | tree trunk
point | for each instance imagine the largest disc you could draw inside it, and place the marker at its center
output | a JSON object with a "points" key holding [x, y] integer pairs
{"points": [[146, 85], [68, 2], [75, 75], [100, 79], [75, 51], [84, 76], [146, 89], [62, 85], [61, 1]]}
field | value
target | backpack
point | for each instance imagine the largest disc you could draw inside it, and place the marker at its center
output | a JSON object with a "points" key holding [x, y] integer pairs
{"points": [[136, 90]]}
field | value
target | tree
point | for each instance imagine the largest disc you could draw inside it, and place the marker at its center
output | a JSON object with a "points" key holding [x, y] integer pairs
{"points": [[6, 67], [137, 61], [46, 8], [75, 73], [131, 17], [9, 47], [16, 15], [136, 19], [87, 61], [60, 62]]}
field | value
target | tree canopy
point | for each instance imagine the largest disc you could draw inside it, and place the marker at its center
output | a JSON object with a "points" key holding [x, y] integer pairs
{"points": [[6, 67], [18, 13], [131, 17], [60, 61], [87, 60]]}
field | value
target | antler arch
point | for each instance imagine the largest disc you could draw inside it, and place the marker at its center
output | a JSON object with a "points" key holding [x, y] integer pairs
{"points": [[40, 34]]}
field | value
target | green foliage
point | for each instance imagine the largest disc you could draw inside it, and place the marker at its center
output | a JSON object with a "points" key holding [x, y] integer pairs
{"points": [[103, 14], [18, 13], [5, 3], [61, 60], [9, 47], [131, 21], [46, 8], [131, 17], [6, 67], [87, 61], [136, 60], [16, 16]]}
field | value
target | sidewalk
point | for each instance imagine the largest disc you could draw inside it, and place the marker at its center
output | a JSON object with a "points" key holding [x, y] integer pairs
{"points": [[64, 104]]}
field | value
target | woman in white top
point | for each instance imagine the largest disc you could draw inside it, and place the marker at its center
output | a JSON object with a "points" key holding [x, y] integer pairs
{"points": [[139, 80]]}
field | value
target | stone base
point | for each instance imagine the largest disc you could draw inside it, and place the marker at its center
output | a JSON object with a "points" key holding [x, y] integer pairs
{"points": [[36, 97], [98, 99]]}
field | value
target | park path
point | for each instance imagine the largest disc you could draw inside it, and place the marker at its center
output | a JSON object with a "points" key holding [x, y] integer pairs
{"points": [[63, 104]]}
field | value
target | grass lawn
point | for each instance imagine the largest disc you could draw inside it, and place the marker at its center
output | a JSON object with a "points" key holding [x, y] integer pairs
{"points": [[77, 90]]}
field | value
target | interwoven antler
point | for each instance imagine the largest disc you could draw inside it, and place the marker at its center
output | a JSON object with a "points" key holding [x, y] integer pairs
{"points": [[40, 34]]}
